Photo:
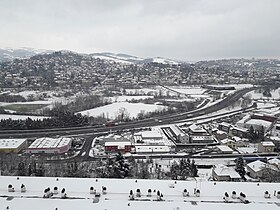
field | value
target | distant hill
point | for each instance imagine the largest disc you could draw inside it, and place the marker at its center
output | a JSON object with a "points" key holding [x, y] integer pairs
{"points": [[129, 59], [120, 58], [9, 54]]}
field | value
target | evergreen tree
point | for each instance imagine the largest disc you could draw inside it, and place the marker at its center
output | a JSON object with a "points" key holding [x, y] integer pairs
{"points": [[261, 133], [143, 170], [21, 169], [193, 169], [115, 168], [174, 170], [240, 168], [252, 134], [120, 168], [184, 169]]}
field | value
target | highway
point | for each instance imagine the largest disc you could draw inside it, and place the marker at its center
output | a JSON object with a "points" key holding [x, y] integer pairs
{"points": [[98, 130]]}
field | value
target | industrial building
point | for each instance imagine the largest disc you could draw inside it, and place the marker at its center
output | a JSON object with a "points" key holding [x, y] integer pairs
{"points": [[120, 146], [149, 138], [152, 149], [12, 145], [50, 145]]}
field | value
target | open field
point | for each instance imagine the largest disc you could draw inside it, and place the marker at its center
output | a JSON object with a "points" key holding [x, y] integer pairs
{"points": [[26, 108]]}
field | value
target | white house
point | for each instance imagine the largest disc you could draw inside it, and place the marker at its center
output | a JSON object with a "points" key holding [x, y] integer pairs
{"points": [[258, 169], [223, 173]]}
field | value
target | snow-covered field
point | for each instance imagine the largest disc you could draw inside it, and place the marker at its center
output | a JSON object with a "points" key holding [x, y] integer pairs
{"points": [[112, 110], [20, 117], [25, 103], [77, 190], [128, 98], [275, 94], [189, 90]]}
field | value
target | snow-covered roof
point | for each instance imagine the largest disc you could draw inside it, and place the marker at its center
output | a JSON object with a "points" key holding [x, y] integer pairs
{"points": [[267, 144], [176, 130], [275, 138], [225, 141], [222, 170], [47, 142], [263, 123], [151, 135], [247, 149], [257, 165], [152, 148], [202, 138], [220, 132], [224, 148], [196, 128], [77, 190], [117, 143], [236, 138], [274, 161], [240, 128], [225, 124], [243, 120], [11, 143]]}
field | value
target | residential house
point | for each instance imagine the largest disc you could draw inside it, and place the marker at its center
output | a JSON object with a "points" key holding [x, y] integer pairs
{"points": [[223, 173]]}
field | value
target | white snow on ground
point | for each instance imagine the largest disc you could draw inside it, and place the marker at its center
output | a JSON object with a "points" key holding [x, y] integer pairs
{"points": [[211, 194], [181, 100], [265, 105], [112, 110], [237, 86], [20, 117], [26, 93], [164, 61], [128, 98], [189, 90], [275, 94], [28, 102], [112, 59], [142, 91]]}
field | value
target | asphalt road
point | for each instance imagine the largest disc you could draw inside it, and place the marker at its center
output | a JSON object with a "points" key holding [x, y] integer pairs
{"points": [[98, 130]]}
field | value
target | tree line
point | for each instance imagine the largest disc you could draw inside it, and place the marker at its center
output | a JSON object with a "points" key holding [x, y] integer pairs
{"points": [[63, 119]]}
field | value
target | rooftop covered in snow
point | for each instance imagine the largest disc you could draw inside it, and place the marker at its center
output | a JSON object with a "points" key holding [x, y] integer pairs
{"points": [[46, 142], [11, 143], [117, 197]]}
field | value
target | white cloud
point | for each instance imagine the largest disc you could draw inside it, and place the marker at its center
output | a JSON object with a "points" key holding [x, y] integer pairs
{"points": [[183, 29]]}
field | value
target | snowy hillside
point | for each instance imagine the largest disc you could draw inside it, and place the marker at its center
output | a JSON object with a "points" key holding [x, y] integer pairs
{"points": [[8, 54], [162, 61], [119, 58], [128, 59]]}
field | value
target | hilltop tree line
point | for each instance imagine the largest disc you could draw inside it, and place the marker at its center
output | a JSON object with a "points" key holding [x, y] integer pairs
{"points": [[11, 98], [62, 119]]}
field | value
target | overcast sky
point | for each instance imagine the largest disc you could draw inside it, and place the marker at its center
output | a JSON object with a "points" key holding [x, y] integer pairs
{"points": [[180, 29]]}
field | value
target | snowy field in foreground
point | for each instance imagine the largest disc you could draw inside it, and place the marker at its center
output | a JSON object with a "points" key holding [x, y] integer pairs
{"points": [[112, 110], [77, 189]]}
